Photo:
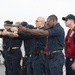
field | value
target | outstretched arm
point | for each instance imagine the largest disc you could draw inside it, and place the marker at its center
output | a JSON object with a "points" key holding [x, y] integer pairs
{"points": [[10, 34], [34, 31]]}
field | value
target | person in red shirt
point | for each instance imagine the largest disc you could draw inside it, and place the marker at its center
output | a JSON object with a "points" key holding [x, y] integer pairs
{"points": [[70, 44]]}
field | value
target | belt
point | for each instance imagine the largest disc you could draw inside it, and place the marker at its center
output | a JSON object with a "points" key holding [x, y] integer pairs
{"points": [[53, 53], [57, 51], [15, 48], [41, 51], [37, 52]]}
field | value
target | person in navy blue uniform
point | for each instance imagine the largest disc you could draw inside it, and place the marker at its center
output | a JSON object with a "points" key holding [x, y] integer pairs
{"points": [[55, 44], [28, 43], [39, 43], [11, 51], [39, 63], [5, 49]]}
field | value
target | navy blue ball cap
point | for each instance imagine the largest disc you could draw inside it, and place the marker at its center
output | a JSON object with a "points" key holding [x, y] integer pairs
{"points": [[24, 24], [70, 16], [30, 26]]}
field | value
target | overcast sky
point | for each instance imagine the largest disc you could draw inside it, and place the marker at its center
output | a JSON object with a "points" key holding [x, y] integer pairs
{"points": [[29, 10]]}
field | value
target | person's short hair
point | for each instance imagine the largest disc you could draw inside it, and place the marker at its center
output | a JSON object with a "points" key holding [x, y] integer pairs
{"points": [[70, 16], [17, 23], [54, 17], [8, 22]]}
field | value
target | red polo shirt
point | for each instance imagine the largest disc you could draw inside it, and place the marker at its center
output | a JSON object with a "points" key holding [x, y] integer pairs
{"points": [[46, 48]]}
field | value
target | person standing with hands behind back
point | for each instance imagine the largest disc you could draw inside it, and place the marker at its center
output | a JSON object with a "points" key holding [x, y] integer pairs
{"points": [[70, 44]]}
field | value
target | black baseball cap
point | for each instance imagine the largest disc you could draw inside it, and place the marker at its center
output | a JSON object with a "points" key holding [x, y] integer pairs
{"points": [[8, 22], [30, 26], [24, 23], [70, 16]]}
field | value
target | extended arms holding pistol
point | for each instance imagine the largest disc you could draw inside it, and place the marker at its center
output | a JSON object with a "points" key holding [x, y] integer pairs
{"points": [[10, 25], [14, 27], [24, 24], [12, 33]]}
